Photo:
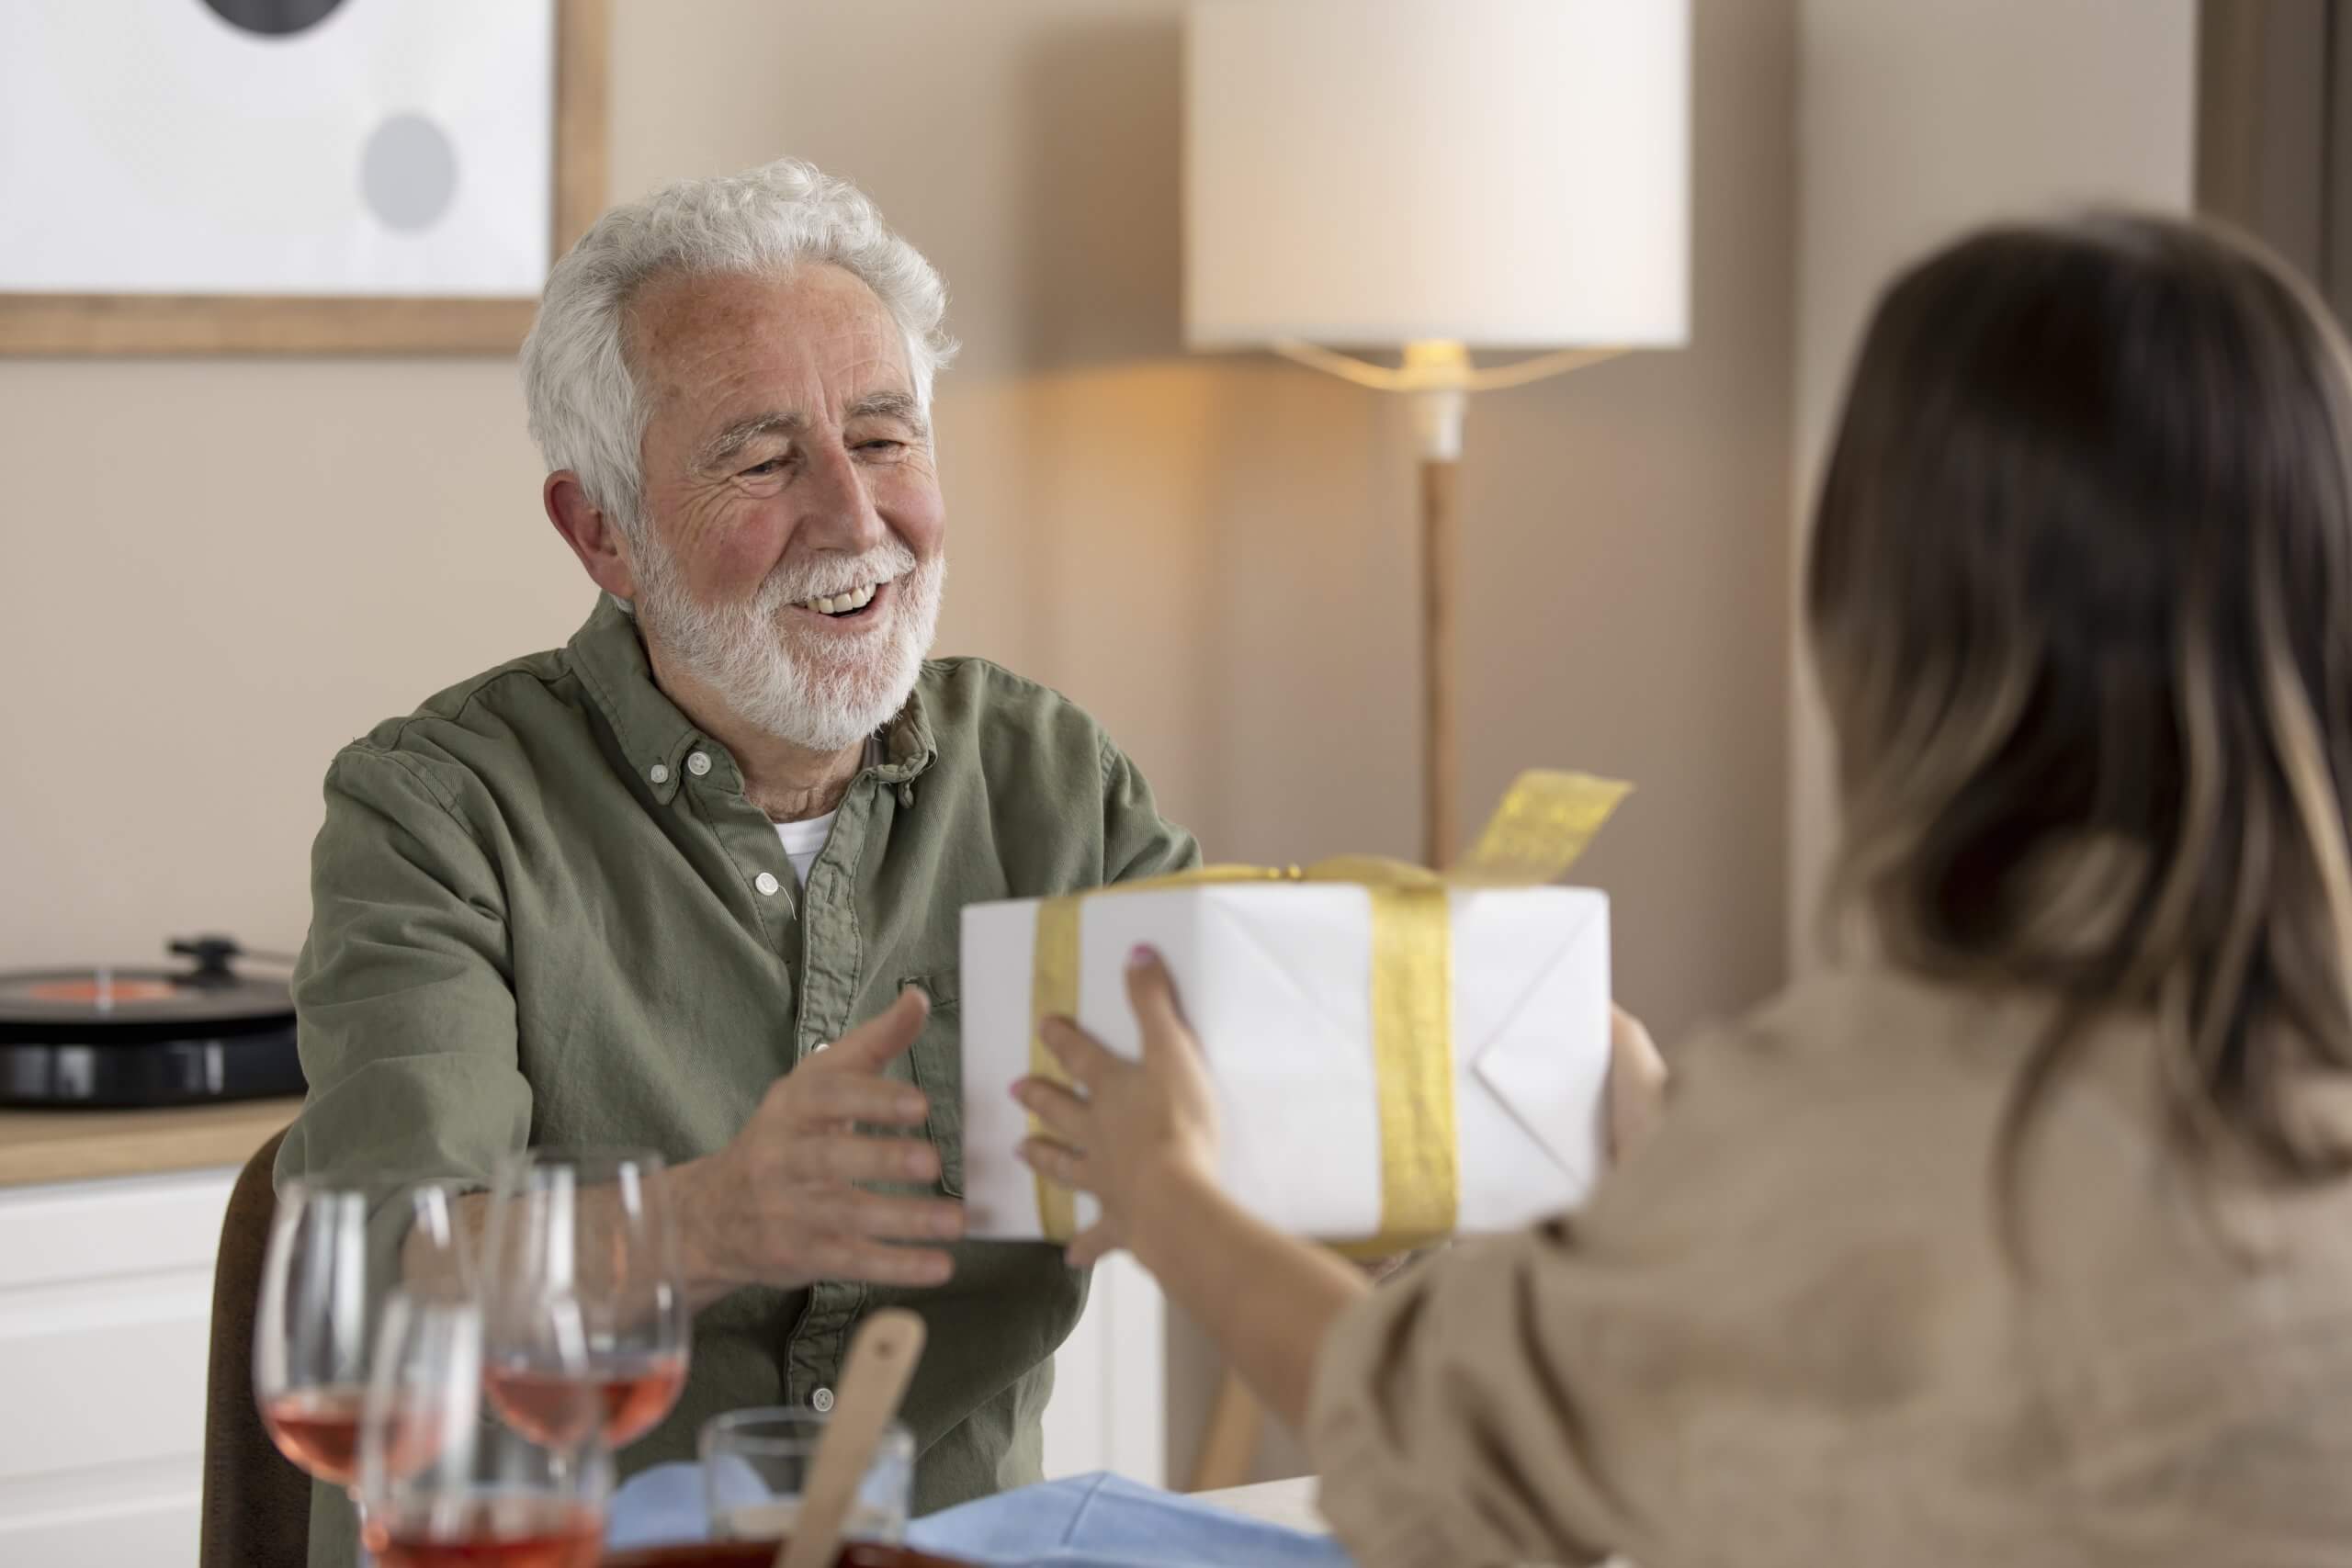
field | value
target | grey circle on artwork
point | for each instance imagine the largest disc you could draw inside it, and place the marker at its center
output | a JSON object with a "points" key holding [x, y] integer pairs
{"points": [[409, 171], [273, 19]]}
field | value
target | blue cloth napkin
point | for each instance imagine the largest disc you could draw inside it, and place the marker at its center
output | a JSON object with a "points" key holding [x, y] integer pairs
{"points": [[656, 1507], [1085, 1522]]}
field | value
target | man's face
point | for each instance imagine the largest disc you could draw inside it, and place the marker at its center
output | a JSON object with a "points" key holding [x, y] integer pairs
{"points": [[793, 552]]}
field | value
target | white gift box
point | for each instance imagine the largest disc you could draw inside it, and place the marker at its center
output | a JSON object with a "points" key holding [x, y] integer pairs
{"points": [[1275, 979]]}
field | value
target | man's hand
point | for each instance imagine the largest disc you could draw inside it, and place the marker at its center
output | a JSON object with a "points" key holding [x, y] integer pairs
{"points": [[780, 1206]]}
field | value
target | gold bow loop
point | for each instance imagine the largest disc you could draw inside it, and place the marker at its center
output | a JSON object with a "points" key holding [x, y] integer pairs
{"points": [[1544, 824]]}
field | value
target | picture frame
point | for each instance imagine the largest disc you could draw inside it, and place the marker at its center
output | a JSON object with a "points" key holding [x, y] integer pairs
{"points": [[76, 324]]}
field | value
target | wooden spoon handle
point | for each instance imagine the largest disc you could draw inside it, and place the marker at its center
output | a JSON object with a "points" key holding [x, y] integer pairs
{"points": [[882, 1358]]}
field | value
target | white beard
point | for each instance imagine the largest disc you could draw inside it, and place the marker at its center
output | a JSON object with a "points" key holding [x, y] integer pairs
{"points": [[823, 692]]}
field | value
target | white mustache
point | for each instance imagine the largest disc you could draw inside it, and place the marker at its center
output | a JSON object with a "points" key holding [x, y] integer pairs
{"points": [[792, 583]]}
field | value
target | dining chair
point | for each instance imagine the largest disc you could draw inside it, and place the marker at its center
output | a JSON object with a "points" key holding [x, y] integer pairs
{"points": [[256, 1505]]}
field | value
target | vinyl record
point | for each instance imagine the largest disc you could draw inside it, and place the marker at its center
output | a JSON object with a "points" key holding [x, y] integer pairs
{"points": [[124, 1038], [133, 1006]]}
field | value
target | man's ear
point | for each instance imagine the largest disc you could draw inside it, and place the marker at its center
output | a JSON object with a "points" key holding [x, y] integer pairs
{"points": [[593, 535]]}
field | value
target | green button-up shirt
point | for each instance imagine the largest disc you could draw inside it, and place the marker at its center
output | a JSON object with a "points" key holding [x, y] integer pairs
{"points": [[543, 912]]}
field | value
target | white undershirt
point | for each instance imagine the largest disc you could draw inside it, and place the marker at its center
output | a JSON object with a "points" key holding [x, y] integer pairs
{"points": [[804, 841]]}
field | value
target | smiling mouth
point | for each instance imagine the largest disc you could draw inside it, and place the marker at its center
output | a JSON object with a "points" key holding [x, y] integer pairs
{"points": [[848, 606]]}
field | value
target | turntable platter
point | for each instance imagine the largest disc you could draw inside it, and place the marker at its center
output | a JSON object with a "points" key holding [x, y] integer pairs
{"points": [[120, 1037]]}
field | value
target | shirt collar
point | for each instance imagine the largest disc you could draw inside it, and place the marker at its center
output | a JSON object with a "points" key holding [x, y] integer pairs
{"points": [[654, 733], [907, 749]]}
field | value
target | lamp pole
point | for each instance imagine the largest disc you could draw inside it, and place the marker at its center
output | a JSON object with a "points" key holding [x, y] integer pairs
{"points": [[1439, 378], [1439, 772], [1443, 368]]}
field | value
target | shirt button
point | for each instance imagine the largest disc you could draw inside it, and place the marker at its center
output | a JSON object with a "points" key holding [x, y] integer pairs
{"points": [[820, 1045], [822, 1401], [766, 883], [658, 773], [698, 762]]}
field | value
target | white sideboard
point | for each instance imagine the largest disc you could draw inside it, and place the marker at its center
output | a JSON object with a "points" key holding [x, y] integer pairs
{"points": [[1110, 1404], [105, 1303]]}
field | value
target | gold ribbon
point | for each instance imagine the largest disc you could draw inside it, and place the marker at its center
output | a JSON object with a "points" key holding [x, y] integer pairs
{"points": [[1544, 824], [1053, 993], [1412, 1002]]}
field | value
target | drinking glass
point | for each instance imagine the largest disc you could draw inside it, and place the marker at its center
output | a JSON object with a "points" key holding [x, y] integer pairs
{"points": [[336, 1251], [587, 1320], [445, 1484], [755, 1468]]}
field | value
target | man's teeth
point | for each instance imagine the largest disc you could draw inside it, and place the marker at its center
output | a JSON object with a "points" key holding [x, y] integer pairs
{"points": [[843, 603]]}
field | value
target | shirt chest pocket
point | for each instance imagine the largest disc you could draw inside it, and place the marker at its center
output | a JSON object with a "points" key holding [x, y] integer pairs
{"points": [[938, 1061]]}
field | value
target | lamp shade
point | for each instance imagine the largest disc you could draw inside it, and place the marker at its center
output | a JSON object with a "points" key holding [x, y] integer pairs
{"points": [[1503, 174]]}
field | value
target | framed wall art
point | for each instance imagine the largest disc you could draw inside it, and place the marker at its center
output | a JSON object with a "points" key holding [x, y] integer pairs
{"points": [[199, 177]]}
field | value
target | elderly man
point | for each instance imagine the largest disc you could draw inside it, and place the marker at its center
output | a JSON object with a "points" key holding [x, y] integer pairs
{"points": [[629, 891]]}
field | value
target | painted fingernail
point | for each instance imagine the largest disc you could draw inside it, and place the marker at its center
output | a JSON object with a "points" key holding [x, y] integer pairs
{"points": [[1141, 954]]}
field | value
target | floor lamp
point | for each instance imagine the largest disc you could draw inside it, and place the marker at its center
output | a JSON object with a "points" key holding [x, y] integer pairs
{"points": [[1431, 178], [1439, 177]]}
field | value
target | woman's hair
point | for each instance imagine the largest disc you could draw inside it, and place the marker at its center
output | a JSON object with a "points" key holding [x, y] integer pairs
{"points": [[2080, 598]]}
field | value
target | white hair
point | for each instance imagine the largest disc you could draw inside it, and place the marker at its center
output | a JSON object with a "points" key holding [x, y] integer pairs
{"points": [[586, 412]]}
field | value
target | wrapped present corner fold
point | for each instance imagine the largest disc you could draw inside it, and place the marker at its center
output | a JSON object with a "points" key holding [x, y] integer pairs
{"points": [[1399, 1056]]}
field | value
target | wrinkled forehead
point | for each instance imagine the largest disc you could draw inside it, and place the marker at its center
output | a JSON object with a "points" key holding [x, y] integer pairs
{"points": [[700, 343]]}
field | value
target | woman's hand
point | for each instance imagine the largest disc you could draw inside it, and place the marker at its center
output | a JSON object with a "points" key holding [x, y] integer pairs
{"points": [[1144, 1132], [1636, 1084], [1143, 1140]]}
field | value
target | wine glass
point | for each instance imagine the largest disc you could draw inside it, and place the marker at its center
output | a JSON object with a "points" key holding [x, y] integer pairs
{"points": [[337, 1248], [445, 1484], [585, 1300]]}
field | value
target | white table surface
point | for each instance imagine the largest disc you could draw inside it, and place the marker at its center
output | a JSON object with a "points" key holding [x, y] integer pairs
{"points": [[1292, 1502], [1287, 1502]]}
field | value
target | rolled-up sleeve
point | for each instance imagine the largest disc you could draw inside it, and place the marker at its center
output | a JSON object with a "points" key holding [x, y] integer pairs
{"points": [[1543, 1396], [1449, 1424], [403, 997], [1136, 841]]}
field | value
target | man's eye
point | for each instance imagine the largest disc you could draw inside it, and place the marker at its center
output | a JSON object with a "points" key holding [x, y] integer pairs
{"points": [[881, 444], [757, 470]]}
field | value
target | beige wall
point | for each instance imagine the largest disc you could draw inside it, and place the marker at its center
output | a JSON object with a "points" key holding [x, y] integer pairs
{"points": [[1917, 119], [221, 569], [224, 569]]}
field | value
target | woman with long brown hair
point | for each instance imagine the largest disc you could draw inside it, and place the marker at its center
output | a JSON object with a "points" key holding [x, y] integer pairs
{"points": [[2024, 1235]]}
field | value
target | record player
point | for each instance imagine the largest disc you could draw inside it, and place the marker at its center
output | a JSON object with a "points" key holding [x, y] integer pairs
{"points": [[118, 1039]]}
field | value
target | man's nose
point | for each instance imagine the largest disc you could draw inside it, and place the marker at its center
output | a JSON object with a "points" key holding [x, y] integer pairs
{"points": [[837, 508]]}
